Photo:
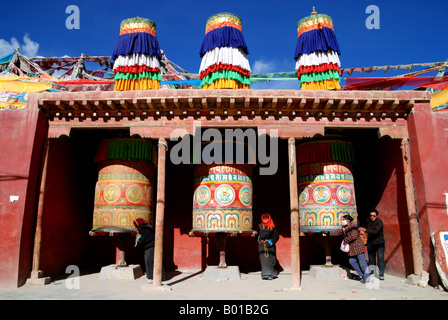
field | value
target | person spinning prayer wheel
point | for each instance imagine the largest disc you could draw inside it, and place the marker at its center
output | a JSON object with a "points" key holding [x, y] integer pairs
{"points": [[267, 238]]}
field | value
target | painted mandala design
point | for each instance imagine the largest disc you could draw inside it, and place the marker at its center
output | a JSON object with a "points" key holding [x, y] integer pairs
{"points": [[321, 194], [343, 194], [224, 194], [202, 195], [245, 195], [111, 193]]}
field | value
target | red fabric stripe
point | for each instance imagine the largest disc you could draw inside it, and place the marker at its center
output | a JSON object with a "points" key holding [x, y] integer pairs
{"points": [[135, 69], [220, 67], [320, 68]]}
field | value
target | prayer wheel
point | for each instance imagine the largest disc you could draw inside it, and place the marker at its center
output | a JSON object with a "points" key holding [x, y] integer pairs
{"points": [[222, 201], [325, 183], [125, 187]]}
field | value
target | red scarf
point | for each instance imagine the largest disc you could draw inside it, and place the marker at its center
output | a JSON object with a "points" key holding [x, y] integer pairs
{"points": [[139, 222], [267, 221]]}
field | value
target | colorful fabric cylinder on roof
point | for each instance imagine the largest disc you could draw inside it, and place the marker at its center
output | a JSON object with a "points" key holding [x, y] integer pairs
{"points": [[224, 54], [317, 53], [137, 56]]}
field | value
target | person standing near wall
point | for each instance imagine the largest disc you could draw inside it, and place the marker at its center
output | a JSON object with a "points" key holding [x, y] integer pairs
{"points": [[357, 257], [375, 242], [267, 238], [146, 238]]}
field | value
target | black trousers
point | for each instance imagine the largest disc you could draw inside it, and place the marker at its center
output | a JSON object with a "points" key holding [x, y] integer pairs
{"points": [[268, 261], [149, 263]]}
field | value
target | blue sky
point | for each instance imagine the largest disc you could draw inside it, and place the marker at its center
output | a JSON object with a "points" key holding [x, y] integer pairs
{"points": [[410, 31]]}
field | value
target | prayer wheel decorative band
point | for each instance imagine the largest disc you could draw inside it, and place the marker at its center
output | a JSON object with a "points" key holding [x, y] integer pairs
{"points": [[326, 186], [124, 190], [222, 198]]}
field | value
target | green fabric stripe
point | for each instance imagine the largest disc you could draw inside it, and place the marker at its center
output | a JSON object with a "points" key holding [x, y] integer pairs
{"points": [[320, 76], [137, 76], [343, 152], [131, 150], [225, 74]]}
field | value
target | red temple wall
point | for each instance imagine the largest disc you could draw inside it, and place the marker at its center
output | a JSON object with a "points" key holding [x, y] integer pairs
{"points": [[68, 205], [428, 133], [21, 136]]}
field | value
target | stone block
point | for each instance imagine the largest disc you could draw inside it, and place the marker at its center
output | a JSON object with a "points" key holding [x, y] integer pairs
{"points": [[130, 272], [327, 272], [220, 274]]}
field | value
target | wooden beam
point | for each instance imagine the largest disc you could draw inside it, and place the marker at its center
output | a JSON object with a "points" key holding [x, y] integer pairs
{"points": [[329, 104], [232, 103], [160, 213], [294, 214]]}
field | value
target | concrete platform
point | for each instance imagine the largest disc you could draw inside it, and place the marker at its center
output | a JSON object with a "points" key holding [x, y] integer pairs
{"points": [[130, 272], [327, 272], [220, 274]]}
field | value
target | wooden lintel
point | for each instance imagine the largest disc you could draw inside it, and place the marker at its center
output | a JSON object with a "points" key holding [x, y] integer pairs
{"points": [[72, 104], [329, 104], [355, 103], [136, 103], [410, 103], [176, 102], [98, 104], [246, 102], [124, 104], [395, 103], [149, 103], [368, 104], [60, 104], [163, 103], [204, 103], [379, 104], [110, 104]]}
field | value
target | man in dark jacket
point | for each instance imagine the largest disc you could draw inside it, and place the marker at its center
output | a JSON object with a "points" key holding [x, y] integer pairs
{"points": [[146, 239], [375, 242]]}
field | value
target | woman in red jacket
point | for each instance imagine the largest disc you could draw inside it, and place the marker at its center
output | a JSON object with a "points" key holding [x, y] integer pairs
{"points": [[357, 257]]}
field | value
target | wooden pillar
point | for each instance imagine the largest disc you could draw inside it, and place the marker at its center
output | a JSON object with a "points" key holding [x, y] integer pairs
{"points": [[417, 254], [160, 212], [294, 201], [36, 273]]}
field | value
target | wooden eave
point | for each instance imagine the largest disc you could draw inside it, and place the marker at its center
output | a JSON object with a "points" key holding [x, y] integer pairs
{"points": [[251, 103]]}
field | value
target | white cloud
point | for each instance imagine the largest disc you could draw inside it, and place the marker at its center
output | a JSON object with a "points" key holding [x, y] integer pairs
{"points": [[28, 48], [261, 66], [274, 66]]}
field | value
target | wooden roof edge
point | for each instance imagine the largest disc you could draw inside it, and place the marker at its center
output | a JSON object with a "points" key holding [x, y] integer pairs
{"points": [[240, 95]]}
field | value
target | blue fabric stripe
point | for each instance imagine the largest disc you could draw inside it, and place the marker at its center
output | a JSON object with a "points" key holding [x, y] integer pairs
{"points": [[7, 58], [223, 37], [137, 43], [317, 40]]}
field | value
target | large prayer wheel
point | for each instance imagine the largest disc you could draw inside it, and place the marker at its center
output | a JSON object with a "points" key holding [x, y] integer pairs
{"points": [[223, 197], [124, 191], [326, 186]]}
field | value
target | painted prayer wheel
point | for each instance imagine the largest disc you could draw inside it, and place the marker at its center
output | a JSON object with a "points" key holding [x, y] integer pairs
{"points": [[124, 190], [326, 186], [223, 197]]}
